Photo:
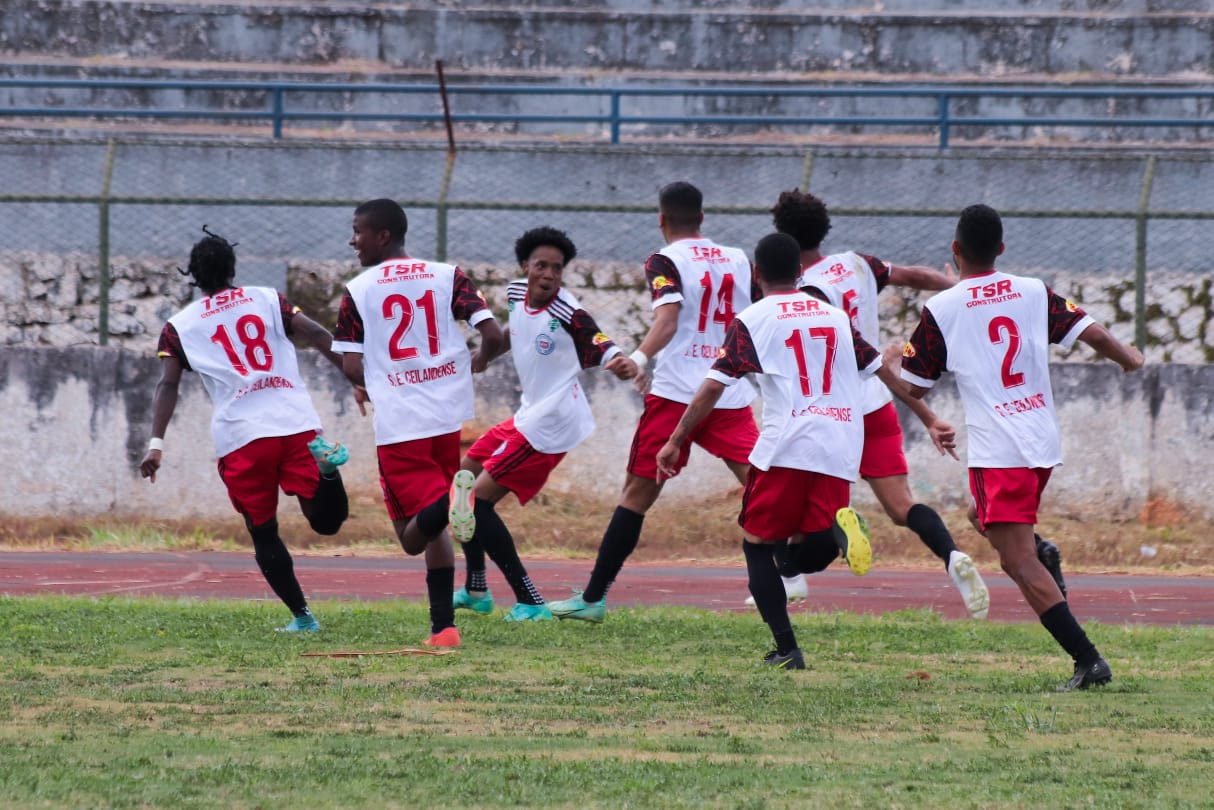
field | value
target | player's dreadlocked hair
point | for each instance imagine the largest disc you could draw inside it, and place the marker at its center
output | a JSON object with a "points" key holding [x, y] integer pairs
{"points": [[528, 242], [212, 263], [802, 216]]}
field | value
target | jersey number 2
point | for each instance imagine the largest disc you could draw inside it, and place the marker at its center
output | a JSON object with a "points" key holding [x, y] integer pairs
{"points": [[723, 314], [251, 330], [394, 304], [999, 327], [796, 342]]}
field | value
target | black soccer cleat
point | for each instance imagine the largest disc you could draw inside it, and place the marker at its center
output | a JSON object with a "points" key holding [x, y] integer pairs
{"points": [[1051, 558], [790, 660], [1096, 673]]}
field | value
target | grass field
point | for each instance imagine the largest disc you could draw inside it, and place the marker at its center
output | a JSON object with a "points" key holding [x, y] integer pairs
{"points": [[155, 703]]}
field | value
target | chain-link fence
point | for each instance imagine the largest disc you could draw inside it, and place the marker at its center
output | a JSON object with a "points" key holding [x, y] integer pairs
{"points": [[93, 230]]}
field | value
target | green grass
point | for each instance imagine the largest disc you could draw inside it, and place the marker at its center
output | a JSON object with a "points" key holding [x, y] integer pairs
{"points": [[158, 703]]}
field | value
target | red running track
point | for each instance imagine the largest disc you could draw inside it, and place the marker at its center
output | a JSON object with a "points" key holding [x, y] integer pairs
{"points": [[1109, 598]]}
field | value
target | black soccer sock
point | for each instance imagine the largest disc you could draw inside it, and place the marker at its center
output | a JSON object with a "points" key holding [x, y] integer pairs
{"points": [[474, 566], [784, 563], [330, 505], [495, 538], [433, 519], [619, 541], [814, 553], [440, 582], [925, 522], [1070, 636], [276, 566], [768, 591]]}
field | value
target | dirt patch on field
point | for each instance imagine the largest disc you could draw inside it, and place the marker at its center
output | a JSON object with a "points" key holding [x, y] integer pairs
{"points": [[1164, 538]]}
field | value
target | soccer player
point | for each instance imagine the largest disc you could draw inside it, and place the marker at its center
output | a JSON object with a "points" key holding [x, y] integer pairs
{"points": [[265, 429], [399, 334], [852, 281], [993, 330], [551, 339], [807, 360], [696, 287]]}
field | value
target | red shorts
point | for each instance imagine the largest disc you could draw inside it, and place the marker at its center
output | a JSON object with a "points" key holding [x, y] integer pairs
{"points": [[416, 473], [781, 502], [882, 456], [1008, 495], [728, 433], [512, 462], [254, 473]]}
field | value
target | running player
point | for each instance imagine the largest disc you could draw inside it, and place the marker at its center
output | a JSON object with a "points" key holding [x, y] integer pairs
{"points": [[696, 286], [852, 282], [804, 355], [265, 429], [551, 339], [993, 330], [399, 333]]}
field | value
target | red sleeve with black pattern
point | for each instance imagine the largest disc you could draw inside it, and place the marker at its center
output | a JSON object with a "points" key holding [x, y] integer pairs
{"points": [[288, 312], [662, 276], [466, 299], [349, 322], [925, 354], [881, 270], [738, 356], [169, 345], [590, 341], [865, 353], [1063, 316]]}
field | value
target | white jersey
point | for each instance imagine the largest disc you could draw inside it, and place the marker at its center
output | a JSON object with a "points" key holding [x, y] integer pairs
{"points": [[402, 316], [550, 347], [993, 331], [808, 362], [237, 341], [712, 284], [849, 283]]}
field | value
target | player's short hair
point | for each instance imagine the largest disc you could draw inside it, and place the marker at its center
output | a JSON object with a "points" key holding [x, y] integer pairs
{"points": [[979, 234], [526, 244], [385, 215], [212, 263], [682, 204], [778, 258], [802, 216]]}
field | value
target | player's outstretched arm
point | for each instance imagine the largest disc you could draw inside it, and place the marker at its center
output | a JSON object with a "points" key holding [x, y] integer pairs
{"points": [[919, 277], [164, 402], [1107, 346], [701, 405], [493, 343], [661, 332], [942, 434], [319, 338], [624, 368]]}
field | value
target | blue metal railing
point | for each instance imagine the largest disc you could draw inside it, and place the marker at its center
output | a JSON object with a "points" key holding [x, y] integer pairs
{"points": [[277, 112]]}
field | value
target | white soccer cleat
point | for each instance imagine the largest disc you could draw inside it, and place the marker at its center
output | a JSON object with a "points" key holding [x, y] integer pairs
{"points": [[967, 579], [795, 588]]}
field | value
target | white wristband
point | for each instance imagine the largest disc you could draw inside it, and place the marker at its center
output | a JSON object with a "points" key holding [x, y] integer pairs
{"points": [[156, 443], [640, 358]]}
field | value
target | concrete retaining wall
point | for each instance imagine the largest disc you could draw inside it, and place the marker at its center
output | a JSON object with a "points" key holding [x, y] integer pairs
{"points": [[81, 418]]}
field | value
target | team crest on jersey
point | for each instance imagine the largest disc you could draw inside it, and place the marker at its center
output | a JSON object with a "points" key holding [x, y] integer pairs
{"points": [[544, 345], [908, 350], [600, 339], [1070, 306], [661, 282]]}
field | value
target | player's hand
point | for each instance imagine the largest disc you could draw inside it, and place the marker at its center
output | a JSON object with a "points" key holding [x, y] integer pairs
{"points": [[944, 436], [150, 464], [479, 362], [892, 356], [668, 460], [361, 398], [622, 367], [950, 274], [1134, 360], [641, 381]]}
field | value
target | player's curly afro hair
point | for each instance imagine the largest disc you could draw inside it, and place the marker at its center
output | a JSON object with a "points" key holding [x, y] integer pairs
{"points": [[536, 237], [802, 216], [212, 263]]}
